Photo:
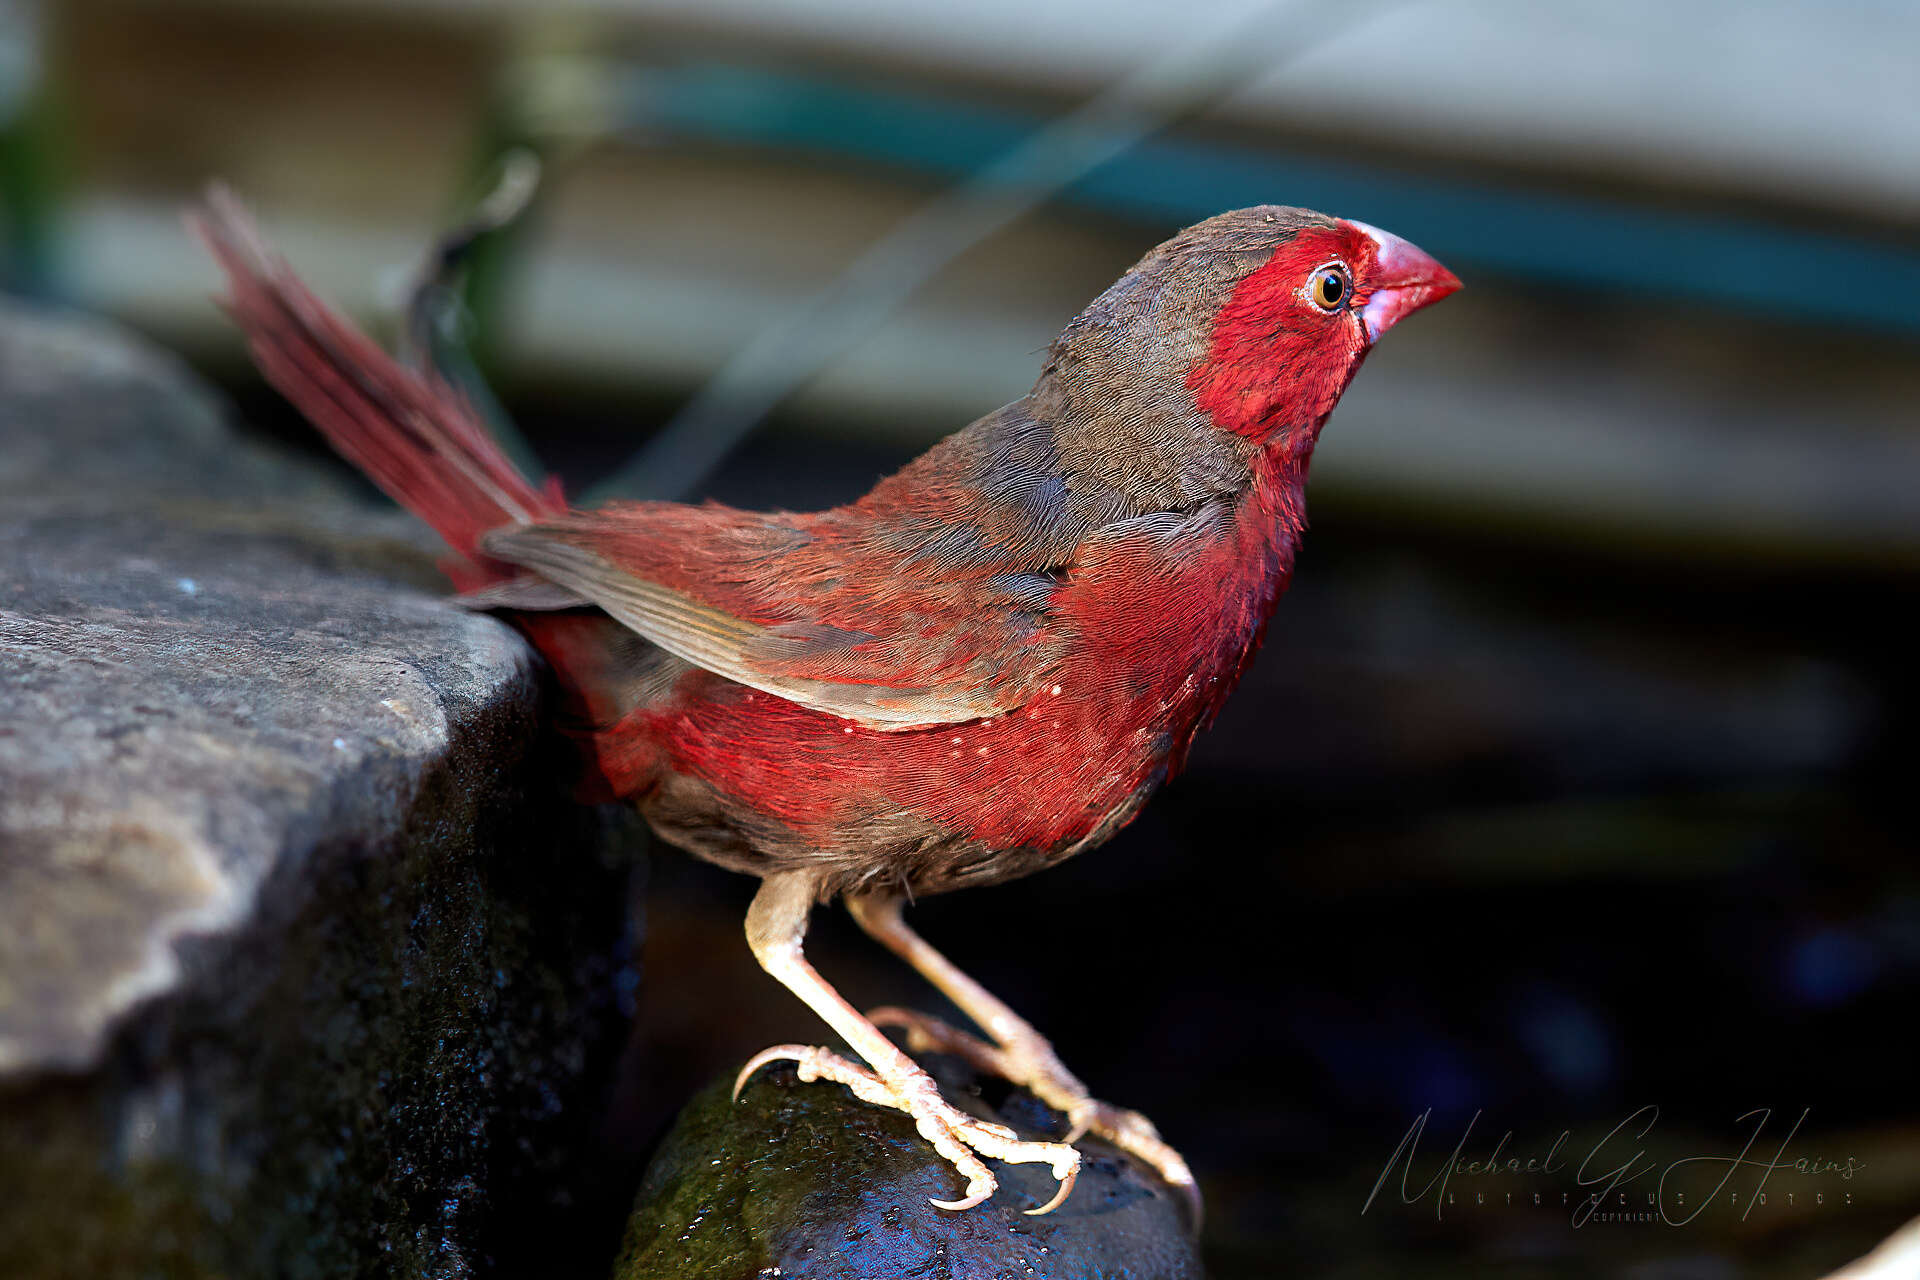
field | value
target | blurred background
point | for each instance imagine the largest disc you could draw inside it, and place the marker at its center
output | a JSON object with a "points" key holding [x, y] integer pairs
{"points": [[1575, 776]]}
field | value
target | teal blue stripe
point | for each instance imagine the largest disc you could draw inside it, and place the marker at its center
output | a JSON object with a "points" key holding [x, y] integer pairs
{"points": [[1656, 254]]}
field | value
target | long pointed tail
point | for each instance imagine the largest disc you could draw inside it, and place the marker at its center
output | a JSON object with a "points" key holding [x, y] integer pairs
{"points": [[413, 436]]}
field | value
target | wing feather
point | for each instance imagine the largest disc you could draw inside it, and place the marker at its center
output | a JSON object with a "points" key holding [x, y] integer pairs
{"points": [[743, 651]]}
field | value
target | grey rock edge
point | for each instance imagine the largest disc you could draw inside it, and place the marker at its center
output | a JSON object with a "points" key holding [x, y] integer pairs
{"points": [[802, 1182], [309, 963]]}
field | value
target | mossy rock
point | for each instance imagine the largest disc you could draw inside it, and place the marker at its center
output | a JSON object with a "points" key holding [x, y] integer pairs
{"points": [[805, 1182]]}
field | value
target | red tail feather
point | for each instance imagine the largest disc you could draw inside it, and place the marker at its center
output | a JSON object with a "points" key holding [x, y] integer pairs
{"points": [[413, 436]]}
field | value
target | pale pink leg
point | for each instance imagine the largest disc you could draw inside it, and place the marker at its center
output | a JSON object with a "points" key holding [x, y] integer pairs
{"points": [[1018, 1052], [776, 925]]}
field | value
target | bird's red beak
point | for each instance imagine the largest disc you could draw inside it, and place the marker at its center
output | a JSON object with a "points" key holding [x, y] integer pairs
{"points": [[1404, 280]]}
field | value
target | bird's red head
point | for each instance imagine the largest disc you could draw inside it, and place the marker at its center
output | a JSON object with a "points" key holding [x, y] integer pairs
{"points": [[1296, 325], [1237, 335]]}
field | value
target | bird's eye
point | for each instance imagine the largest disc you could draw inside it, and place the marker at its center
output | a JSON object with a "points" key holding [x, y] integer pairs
{"points": [[1329, 287]]}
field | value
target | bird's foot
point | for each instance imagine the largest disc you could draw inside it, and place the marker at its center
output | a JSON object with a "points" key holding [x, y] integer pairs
{"points": [[1031, 1062], [960, 1139]]}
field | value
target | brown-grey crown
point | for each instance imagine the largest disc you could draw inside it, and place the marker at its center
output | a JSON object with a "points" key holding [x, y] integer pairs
{"points": [[1242, 238]]}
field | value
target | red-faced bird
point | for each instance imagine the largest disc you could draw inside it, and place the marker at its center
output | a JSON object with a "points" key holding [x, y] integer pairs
{"points": [[984, 666]]}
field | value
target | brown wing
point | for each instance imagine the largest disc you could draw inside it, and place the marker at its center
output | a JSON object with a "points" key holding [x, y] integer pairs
{"points": [[895, 651]]}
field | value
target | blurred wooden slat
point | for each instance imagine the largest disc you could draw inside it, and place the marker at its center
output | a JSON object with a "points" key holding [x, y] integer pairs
{"points": [[1805, 104]]}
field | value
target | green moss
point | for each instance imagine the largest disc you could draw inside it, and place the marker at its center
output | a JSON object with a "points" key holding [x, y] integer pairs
{"points": [[68, 1213], [805, 1181]]}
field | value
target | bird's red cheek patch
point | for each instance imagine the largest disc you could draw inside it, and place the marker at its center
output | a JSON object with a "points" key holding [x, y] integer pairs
{"points": [[1274, 361]]}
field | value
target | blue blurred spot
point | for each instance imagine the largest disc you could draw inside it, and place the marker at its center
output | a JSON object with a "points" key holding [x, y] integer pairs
{"points": [[1568, 1040], [1441, 1078], [1830, 966]]}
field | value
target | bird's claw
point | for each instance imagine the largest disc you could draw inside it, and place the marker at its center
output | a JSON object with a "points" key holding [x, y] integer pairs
{"points": [[1134, 1133], [960, 1139], [1035, 1066]]}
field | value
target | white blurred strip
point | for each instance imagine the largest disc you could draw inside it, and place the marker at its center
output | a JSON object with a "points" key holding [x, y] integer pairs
{"points": [[1896, 1259]]}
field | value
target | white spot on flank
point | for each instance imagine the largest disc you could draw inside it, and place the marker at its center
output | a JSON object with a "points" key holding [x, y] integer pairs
{"points": [[956, 742], [188, 587], [1056, 691]]}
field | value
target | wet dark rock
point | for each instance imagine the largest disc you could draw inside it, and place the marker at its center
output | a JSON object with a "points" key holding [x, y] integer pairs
{"points": [[309, 963], [805, 1182]]}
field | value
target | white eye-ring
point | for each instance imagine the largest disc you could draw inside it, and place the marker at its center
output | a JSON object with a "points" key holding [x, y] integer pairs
{"points": [[1329, 287]]}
